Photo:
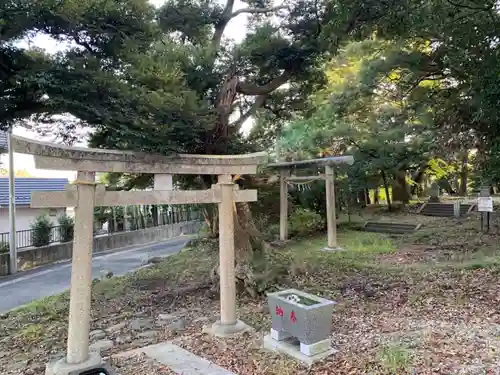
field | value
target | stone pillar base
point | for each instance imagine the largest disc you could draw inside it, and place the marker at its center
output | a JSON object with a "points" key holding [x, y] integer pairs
{"points": [[227, 330], [293, 349], [279, 335], [61, 367], [332, 248], [316, 348]]}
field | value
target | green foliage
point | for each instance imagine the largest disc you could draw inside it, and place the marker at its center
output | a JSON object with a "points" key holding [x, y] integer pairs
{"points": [[303, 222], [386, 138], [66, 227], [395, 358], [103, 33], [487, 166], [266, 210], [271, 232], [32, 332], [4, 247], [439, 168], [153, 80], [311, 197], [41, 229], [412, 99]]}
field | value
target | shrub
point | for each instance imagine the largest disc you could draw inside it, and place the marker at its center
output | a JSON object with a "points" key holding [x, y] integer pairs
{"points": [[312, 197], [271, 232], [41, 230], [267, 208], [66, 227], [4, 247], [303, 222]]}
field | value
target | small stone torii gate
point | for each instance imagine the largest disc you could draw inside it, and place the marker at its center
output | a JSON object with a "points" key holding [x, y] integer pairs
{"points": [[84, 194], [285, 177]]}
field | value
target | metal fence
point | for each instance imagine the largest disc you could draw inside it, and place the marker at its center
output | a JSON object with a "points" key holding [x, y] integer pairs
{"points": [[24, 238]]}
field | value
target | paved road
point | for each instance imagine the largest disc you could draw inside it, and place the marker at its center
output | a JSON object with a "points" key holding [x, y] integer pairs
{"points": [[46, 281]]}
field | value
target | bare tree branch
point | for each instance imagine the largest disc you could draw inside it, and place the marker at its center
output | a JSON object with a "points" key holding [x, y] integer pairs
{"points": [[84, 44], [471, 7], [259, 102], [221, 25], [258, 10], [252, 89]]}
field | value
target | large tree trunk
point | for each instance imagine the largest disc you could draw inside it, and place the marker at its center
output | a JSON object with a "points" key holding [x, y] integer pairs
{"points": [[400, 188], [251, 252], [425, 187], [247, 242], [376, 196], [252, 271], [211, 217], [418, 178], [464, 174], [386, 188], [363, 199]]}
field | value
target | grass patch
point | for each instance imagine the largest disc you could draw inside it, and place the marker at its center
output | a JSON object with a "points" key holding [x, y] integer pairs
{"points": [[324, 273], [359, 251], [189, 264], [352, 242], [395, 358], [110, 288], [367, 243], [32, 332], [50, 308], [481, 262]]}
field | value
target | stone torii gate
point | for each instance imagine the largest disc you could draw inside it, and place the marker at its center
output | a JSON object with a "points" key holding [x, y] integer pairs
{"points": [[84, 194], [329, 178]]}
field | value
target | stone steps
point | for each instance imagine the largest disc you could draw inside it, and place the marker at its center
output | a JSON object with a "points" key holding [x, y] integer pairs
{"points": [[444, 209], [390, 228]]}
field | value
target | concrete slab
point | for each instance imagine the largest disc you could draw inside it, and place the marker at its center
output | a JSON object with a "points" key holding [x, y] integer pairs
{"points": [[178, 360], [292, 348]]}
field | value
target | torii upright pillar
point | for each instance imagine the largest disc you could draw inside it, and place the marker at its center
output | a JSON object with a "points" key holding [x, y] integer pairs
{"points": [[329, 178], [331, 219], [228, 325]]}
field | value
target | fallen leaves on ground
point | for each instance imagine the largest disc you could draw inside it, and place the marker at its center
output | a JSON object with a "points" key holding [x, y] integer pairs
{"points": [[430, 308], [139, 365]]}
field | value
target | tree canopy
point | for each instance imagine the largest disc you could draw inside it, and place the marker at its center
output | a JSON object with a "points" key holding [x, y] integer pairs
{"points": [[408, 99], [169, 79]]}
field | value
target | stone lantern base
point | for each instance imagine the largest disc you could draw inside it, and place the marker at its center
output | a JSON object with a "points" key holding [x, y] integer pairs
{"points": [[332, 249]]}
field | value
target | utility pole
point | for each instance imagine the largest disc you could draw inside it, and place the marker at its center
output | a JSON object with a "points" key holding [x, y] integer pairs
{"points": [[12, 207]]}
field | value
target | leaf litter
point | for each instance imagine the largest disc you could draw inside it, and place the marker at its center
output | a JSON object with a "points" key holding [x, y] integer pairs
{"points": [[432, 314]]}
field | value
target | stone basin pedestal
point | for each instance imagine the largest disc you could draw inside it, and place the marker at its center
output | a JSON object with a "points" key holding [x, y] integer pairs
{"points": [[301, 325]]}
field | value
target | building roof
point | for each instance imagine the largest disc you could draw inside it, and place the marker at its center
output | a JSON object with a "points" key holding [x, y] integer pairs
{"points": [[26, 185]]}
